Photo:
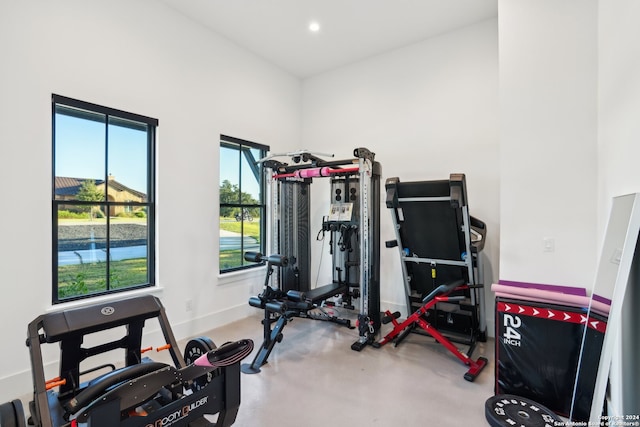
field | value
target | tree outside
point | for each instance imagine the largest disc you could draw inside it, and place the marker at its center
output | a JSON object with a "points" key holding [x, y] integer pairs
{"points": [[88, 192], [230, 194]]}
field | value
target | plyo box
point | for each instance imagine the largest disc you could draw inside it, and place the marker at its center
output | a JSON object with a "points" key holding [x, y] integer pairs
{"points": [[537, 351]]}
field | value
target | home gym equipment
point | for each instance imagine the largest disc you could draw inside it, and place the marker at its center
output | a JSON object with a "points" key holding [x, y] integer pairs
{"points": [[352, 227], [538, 345], [439, 245], [507, 410], [142, 393], [418, 317], [279, 308]]}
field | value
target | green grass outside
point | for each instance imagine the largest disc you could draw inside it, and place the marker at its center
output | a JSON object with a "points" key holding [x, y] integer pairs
{"points": [[234, 258], [251, 228], [231, 259], [88, 278]]}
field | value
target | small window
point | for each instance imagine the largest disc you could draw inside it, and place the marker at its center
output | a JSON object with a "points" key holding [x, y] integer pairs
{"points": [[242, 205], [103, 200]]}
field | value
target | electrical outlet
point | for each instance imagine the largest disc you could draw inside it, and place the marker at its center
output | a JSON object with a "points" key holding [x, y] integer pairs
{"points": [[188, 305], [548, 244]]}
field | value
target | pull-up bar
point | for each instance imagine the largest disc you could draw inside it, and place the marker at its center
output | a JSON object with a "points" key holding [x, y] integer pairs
{"points": [[316, 172]]}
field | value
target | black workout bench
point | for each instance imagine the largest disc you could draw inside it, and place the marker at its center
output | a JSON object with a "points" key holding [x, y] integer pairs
{"points": [[280, 307]]}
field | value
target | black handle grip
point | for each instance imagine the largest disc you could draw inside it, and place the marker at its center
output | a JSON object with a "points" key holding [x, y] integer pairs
{"points": [[228, 353], [275, 307], [445, 289]]}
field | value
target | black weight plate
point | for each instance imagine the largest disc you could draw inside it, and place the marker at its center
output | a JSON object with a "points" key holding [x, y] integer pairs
{"points": [[19, 410], [12, 414], [7, 415], [506, 410], [195, 348]]}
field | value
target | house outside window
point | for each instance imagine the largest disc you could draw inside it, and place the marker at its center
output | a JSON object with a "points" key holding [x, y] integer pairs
{"points": [[103, 209], [242, 204]]}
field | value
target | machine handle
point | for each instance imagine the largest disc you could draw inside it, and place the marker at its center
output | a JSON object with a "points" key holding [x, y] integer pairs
{"points": [[101, 385], [443, 290], [479, 230], [225, 355]]}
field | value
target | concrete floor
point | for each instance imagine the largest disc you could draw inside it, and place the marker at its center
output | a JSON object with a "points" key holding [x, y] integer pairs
{"points": [[313, 378]]}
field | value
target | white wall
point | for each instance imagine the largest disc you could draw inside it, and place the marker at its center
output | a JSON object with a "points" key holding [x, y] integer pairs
{"points": [[619, 101], [426, 110], [142, 57], [570, 93], [618, 153], [548, 140]]}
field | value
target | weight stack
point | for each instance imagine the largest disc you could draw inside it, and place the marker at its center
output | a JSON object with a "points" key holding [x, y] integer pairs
{"points": [[537, 353]]}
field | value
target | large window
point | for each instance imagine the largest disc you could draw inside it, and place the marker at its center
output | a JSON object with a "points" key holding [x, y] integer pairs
{"points": [[242, 206], [102, 200]]}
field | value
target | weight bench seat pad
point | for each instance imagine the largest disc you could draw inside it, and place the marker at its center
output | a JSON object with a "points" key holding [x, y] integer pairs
{"points": [[321, 293], [58, 326]]}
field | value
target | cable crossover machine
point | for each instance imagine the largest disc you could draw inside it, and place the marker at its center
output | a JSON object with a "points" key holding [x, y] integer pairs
{"points": [[353, 230]]}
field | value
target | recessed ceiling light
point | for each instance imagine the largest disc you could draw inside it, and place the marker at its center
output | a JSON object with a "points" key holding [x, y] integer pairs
{"points": [[314, 26]]}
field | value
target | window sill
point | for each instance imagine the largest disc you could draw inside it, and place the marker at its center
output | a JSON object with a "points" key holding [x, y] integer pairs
{"points": [[155, 290], [241, 276]]}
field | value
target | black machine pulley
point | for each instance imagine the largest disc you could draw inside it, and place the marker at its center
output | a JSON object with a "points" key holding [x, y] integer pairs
{"points": [[506, 410], [195, 348], [277, 260]]}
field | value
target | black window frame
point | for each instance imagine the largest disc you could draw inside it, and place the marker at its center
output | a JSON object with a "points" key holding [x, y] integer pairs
{"points": [[244, 147], [84, 109]]}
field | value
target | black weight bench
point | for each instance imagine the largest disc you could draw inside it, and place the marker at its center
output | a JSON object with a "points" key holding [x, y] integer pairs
{"points": [[280, 308], [206, 381], [321, 293], [439, 244]]}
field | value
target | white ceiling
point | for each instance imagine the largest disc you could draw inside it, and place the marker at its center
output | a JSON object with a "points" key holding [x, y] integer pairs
{"points": [[351, 30]]}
